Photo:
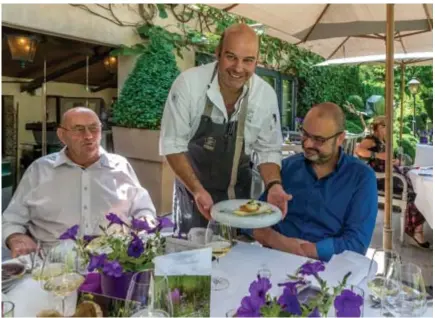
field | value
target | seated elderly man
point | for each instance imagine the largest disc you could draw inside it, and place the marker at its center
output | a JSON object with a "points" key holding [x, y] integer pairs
{"points": [[334, 203], [78, 185]]}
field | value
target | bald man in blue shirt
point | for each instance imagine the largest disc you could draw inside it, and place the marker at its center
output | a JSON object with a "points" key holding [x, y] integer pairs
{"points": [[335, 202]]}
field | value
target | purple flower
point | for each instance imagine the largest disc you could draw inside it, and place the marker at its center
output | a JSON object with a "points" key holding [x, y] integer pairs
{"points": [[299, 120], [175, 296], [314, 313], [162, 223], [250, 307], [312, 268], [70, 234], [293, 285], [289, 301], [259, 288], [113, 269], [139, 225], [135, 248], [114, 219], [96, 262], [348, 304]]}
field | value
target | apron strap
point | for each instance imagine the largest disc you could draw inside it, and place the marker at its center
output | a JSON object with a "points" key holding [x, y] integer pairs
{"points": [[239, 145], [208, 108]]}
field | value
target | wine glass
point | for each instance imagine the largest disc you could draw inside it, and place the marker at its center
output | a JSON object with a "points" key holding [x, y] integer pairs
{"points": [[381, 263], [148, 296], [219, 237], [60, 273], [404, 293]]}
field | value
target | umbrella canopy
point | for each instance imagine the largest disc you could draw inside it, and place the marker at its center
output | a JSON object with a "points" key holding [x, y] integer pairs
{"points": [[337, 30], [424, 58]]}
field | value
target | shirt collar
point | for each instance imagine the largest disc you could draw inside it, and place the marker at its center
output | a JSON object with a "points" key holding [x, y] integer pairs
{"points": [[104, 160]]}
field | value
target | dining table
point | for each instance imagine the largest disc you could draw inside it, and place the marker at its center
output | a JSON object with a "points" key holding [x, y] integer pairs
{"points": [[422, 183], [240, 266]]}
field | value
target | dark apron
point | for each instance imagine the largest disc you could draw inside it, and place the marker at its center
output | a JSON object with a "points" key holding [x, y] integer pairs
{"points": [[211, 153]]}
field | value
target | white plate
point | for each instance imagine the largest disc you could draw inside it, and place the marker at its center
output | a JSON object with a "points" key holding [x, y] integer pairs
{"points": [[223, 213]]}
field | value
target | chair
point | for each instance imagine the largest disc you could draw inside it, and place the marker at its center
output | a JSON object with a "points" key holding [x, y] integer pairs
{"points": [[399, 200]]}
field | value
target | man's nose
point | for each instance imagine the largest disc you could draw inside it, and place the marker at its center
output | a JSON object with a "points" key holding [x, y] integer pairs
{"points": [[308, 143], [239, 66]]}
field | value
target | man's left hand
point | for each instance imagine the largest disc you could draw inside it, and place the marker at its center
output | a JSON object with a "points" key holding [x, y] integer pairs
{"points": [[278, 197]]}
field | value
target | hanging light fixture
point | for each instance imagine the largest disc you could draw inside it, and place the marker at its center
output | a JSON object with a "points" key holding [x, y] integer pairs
{"points": [[22, 47], [111, 64]]}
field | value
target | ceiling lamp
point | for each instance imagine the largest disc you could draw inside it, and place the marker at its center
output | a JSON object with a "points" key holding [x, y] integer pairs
{"points": [[111, 64], [22, 47]]}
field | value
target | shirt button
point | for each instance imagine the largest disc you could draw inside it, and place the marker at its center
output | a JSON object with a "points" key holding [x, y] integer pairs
{"points": [[85, 188], [85, 207]]}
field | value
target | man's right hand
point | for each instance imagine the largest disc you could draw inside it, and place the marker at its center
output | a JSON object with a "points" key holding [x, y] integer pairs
{"points": [[20, 244], [204, 202]]}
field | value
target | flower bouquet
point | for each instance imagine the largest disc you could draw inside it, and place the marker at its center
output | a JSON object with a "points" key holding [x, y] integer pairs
{"points": [[118, 256], [259, 303]]}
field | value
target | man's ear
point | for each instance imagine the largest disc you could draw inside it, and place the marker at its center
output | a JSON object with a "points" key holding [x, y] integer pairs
{"points": [[60, 135]]}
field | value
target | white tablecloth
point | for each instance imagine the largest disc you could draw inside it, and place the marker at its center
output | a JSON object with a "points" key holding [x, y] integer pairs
{"points": [[239, 266], [423, 155], [423, 187]]}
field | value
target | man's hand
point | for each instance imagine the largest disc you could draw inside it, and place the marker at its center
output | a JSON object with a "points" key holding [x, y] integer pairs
{"points": [[270, 238], [204, 202], [277, 196], [20, 244], [310, 250]]}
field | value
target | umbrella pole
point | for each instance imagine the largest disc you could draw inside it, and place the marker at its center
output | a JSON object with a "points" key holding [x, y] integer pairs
{"points": [[389, 96], [402, 92]]}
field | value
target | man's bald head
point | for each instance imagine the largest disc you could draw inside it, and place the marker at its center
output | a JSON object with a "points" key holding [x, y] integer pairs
{"points": [[331, 111], [75, 112], [238, 30]]}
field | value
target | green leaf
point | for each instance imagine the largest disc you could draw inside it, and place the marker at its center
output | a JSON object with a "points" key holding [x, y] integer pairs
{"points": [[162, 11]]}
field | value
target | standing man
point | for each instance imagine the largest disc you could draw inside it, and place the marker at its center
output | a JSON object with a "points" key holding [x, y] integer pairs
{"points": [[215, 117]]}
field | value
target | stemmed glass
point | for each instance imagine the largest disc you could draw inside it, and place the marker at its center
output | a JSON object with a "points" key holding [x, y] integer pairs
{"points": [[60, 272], [148, 296], [380, 265], [404, 292], [219, 237]]}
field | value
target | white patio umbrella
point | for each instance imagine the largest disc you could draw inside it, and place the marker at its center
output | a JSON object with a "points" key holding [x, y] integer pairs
{"points": [[346, 30]]}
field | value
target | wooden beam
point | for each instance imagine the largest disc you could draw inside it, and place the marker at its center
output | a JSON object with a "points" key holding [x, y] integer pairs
{"points": [[315, 24], [369, 37], [429, 20], [401, 42], [36, 71], [413, 33], [338, 47], [227, 9], [109, 82], [37, 82], [417, 61]]}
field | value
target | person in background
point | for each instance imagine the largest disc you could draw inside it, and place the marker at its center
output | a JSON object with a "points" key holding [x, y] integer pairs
{"points": [[78, 185], [200, 135], [334, 205], [372, 150]]}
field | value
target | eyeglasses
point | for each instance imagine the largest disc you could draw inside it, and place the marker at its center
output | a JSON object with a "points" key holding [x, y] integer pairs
{"points": [[81, 129], [317, 140]]}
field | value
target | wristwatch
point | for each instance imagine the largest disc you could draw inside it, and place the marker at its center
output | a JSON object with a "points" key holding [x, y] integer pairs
{"points": [[272, 183]]}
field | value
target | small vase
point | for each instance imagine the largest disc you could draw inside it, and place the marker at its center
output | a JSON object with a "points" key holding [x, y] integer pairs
{"points": [[116, 287]]}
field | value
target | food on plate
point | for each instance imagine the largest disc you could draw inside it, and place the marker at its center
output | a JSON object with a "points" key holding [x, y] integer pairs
{"points": [[12, 269], [252, 207]]}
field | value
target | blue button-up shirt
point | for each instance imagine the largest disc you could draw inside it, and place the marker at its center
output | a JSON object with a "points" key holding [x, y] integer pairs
{"points": [[337, 212]]}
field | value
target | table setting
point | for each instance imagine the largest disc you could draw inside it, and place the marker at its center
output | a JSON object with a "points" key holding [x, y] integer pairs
{"points": [[217, 275], [422, 183]]}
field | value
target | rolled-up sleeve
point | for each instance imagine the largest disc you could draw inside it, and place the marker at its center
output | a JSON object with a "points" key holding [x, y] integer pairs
{"points": [[359, 223], [176, 121], [16, 217], [269, 142]]}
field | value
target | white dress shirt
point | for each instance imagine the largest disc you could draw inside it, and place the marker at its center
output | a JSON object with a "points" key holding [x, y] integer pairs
{"points": [[55, 194], [186, 102]]}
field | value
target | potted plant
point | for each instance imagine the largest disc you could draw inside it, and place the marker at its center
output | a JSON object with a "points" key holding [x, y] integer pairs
{"points": [[118, 255], [138, 111]]}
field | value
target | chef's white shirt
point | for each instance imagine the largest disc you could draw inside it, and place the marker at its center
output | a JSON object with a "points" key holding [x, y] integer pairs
{"points": [[185, 106]]}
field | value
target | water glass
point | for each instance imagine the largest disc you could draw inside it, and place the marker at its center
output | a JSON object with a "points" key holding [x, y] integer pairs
{"points": [[264, 271], [380, 265], [404, 293], [8, 309], [148, 296]]}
